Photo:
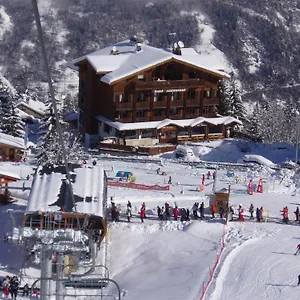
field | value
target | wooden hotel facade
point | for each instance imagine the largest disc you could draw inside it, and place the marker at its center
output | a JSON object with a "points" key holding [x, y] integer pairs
{"points": [[135, 94]]}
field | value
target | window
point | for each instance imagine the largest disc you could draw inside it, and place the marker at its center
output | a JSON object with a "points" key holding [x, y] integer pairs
{"points": [[141, 97], [118, 98], [192, 94], [141, 77], [140, 114], [176, 96], [173, 111]]}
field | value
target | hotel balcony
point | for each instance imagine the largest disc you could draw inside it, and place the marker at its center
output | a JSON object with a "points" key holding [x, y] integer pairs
{"points": [[157, 118], [176, 103], [211, 101], [168, 84], [159, 104], [124, 106], [142, 119], [143, 105], [192, 102]]}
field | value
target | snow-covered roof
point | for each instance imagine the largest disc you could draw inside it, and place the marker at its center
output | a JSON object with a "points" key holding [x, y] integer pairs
{"points": [[10, 175], [12, 141], [49, 191], [129, 61], [160, 124], [35, 105]]}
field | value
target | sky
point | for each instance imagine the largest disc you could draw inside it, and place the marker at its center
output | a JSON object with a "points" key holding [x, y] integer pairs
{"points": [[173, 259]]}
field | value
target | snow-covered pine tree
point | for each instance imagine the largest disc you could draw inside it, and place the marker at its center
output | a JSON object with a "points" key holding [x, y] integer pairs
{"points": [[224, 105], [236, 108], [16, 125], [49, 151], [253, 126], [5, 107]]}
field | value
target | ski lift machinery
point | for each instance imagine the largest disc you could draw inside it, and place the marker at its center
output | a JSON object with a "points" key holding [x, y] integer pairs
{"points": [[48, 243]]}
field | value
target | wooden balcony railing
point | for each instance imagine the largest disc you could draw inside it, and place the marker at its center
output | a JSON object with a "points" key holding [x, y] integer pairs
{"points": [[192, 102], [145, 105], [157, 118], [176, 103], [211, 101], [159, 104], [142, 119], [168, 84], [123, 105]]}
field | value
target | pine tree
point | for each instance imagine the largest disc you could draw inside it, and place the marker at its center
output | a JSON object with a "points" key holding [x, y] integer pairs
{"points": [[5, 108], [224, 105], [49, 147], [16, 125], [254, 127], [236, 108]]}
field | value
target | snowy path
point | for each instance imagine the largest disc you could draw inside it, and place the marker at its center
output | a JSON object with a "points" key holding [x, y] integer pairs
{"points": [[261, 264]]}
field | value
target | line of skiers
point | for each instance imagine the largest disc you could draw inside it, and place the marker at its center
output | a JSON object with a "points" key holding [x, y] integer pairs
{"points": [[166, 212]]}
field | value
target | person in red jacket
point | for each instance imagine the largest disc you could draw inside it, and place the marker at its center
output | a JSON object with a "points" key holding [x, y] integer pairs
{"points": [[213, 210], [175, 213], [143, 212], [285, 215]]}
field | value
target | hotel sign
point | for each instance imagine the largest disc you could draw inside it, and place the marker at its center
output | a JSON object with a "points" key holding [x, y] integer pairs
{"points": [[169, 91]]}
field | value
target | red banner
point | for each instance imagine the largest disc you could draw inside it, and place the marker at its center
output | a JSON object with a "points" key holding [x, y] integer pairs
{"points": [[132, 185]]}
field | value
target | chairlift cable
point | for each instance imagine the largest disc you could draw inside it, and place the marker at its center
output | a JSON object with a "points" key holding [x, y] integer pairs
{"points": [[51, 90]]}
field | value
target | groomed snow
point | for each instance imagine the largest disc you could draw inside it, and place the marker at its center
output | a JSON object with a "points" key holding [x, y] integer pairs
{"points": [[172, 260]]}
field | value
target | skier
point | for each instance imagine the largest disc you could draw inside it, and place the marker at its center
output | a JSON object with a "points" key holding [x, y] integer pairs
{"points": [[201, 209], [195, 210], [241, 211], [130, 207], [5, 286], [298, 250], [159, 213], [257, 214], [221, 211], [297, 213], [298, 279], [183, 214], [187, 214], [14, 286], [214, 175], [175, 213], [170, 180], [285, 215], [251, 210], [143, 212], [94, 162], [167, 211], [213, 210], [261, 213], [203, 179], [128, 213]]}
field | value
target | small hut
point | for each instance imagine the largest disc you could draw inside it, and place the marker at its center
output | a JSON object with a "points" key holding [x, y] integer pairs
{"points": [[220, 195]]}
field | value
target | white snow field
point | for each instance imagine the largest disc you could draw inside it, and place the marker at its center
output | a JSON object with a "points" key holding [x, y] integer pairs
{"points": [[174, 260]]}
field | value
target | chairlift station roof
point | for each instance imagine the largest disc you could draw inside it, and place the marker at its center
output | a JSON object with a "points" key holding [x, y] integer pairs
{"points": [[50, 191]]}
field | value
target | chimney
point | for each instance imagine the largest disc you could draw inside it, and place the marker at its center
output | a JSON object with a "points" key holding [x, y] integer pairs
{"points": [[138, 47], [114, 51]]}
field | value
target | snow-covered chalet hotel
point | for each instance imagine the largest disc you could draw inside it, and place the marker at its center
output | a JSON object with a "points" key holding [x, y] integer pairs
{"points": [[137, 95]]}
